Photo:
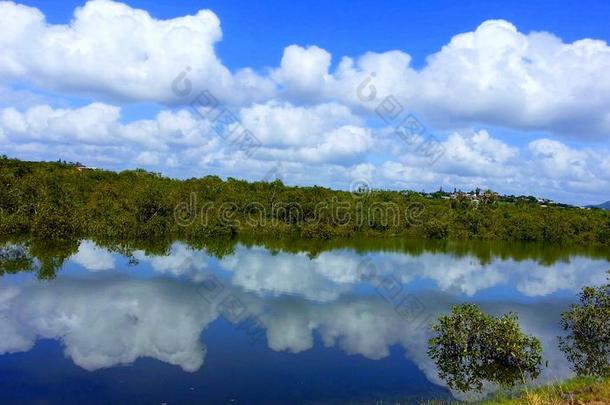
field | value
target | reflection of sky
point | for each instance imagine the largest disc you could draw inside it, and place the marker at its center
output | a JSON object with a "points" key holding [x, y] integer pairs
{"points": [[106, 313], [332, 273]]}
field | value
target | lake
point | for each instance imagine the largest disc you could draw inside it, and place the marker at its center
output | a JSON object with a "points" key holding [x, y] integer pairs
{"points": [[262, 322]]}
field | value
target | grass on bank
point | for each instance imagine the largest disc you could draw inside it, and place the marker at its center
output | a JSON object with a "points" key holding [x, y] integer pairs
{"points": [[582, 390], [577, 391]]}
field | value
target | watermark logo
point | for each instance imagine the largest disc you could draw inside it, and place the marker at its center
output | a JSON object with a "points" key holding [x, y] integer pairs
{"points": [[360, 187], [407, 305], [222, 120], [408, 128], [231, 308]]}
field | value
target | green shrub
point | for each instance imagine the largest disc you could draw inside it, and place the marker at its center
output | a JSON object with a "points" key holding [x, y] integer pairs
{"points": [[587, 344], [470, 347], [436, 229]]}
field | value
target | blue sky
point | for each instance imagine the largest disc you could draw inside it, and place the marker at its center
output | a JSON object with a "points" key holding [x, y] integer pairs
{"points": [[515, 95], [256, 32]]}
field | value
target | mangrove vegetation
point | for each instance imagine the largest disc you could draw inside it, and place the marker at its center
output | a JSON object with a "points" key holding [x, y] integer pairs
{"points": [[60, 200]]}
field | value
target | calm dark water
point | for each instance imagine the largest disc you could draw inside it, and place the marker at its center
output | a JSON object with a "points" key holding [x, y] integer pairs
{"points": [[249, 324]]}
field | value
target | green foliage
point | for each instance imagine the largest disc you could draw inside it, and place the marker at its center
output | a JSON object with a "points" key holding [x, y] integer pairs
{"points": [[40, 256], [470, 347], [51, 255], [587, 344], [57, 201], [436, 229]]}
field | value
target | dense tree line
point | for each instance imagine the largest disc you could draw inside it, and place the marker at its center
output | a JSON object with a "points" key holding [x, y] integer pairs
{"points": [[58, 201]]}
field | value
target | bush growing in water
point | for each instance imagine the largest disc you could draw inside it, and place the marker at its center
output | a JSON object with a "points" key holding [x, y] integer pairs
{"points": [[587, 344], [470, 347]]}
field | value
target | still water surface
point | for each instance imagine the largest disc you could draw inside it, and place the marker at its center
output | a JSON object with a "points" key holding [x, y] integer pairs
{"points": [[262, 323]]}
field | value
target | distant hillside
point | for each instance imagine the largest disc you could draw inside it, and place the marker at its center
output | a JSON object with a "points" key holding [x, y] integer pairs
{"points": [[605, 205]]}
